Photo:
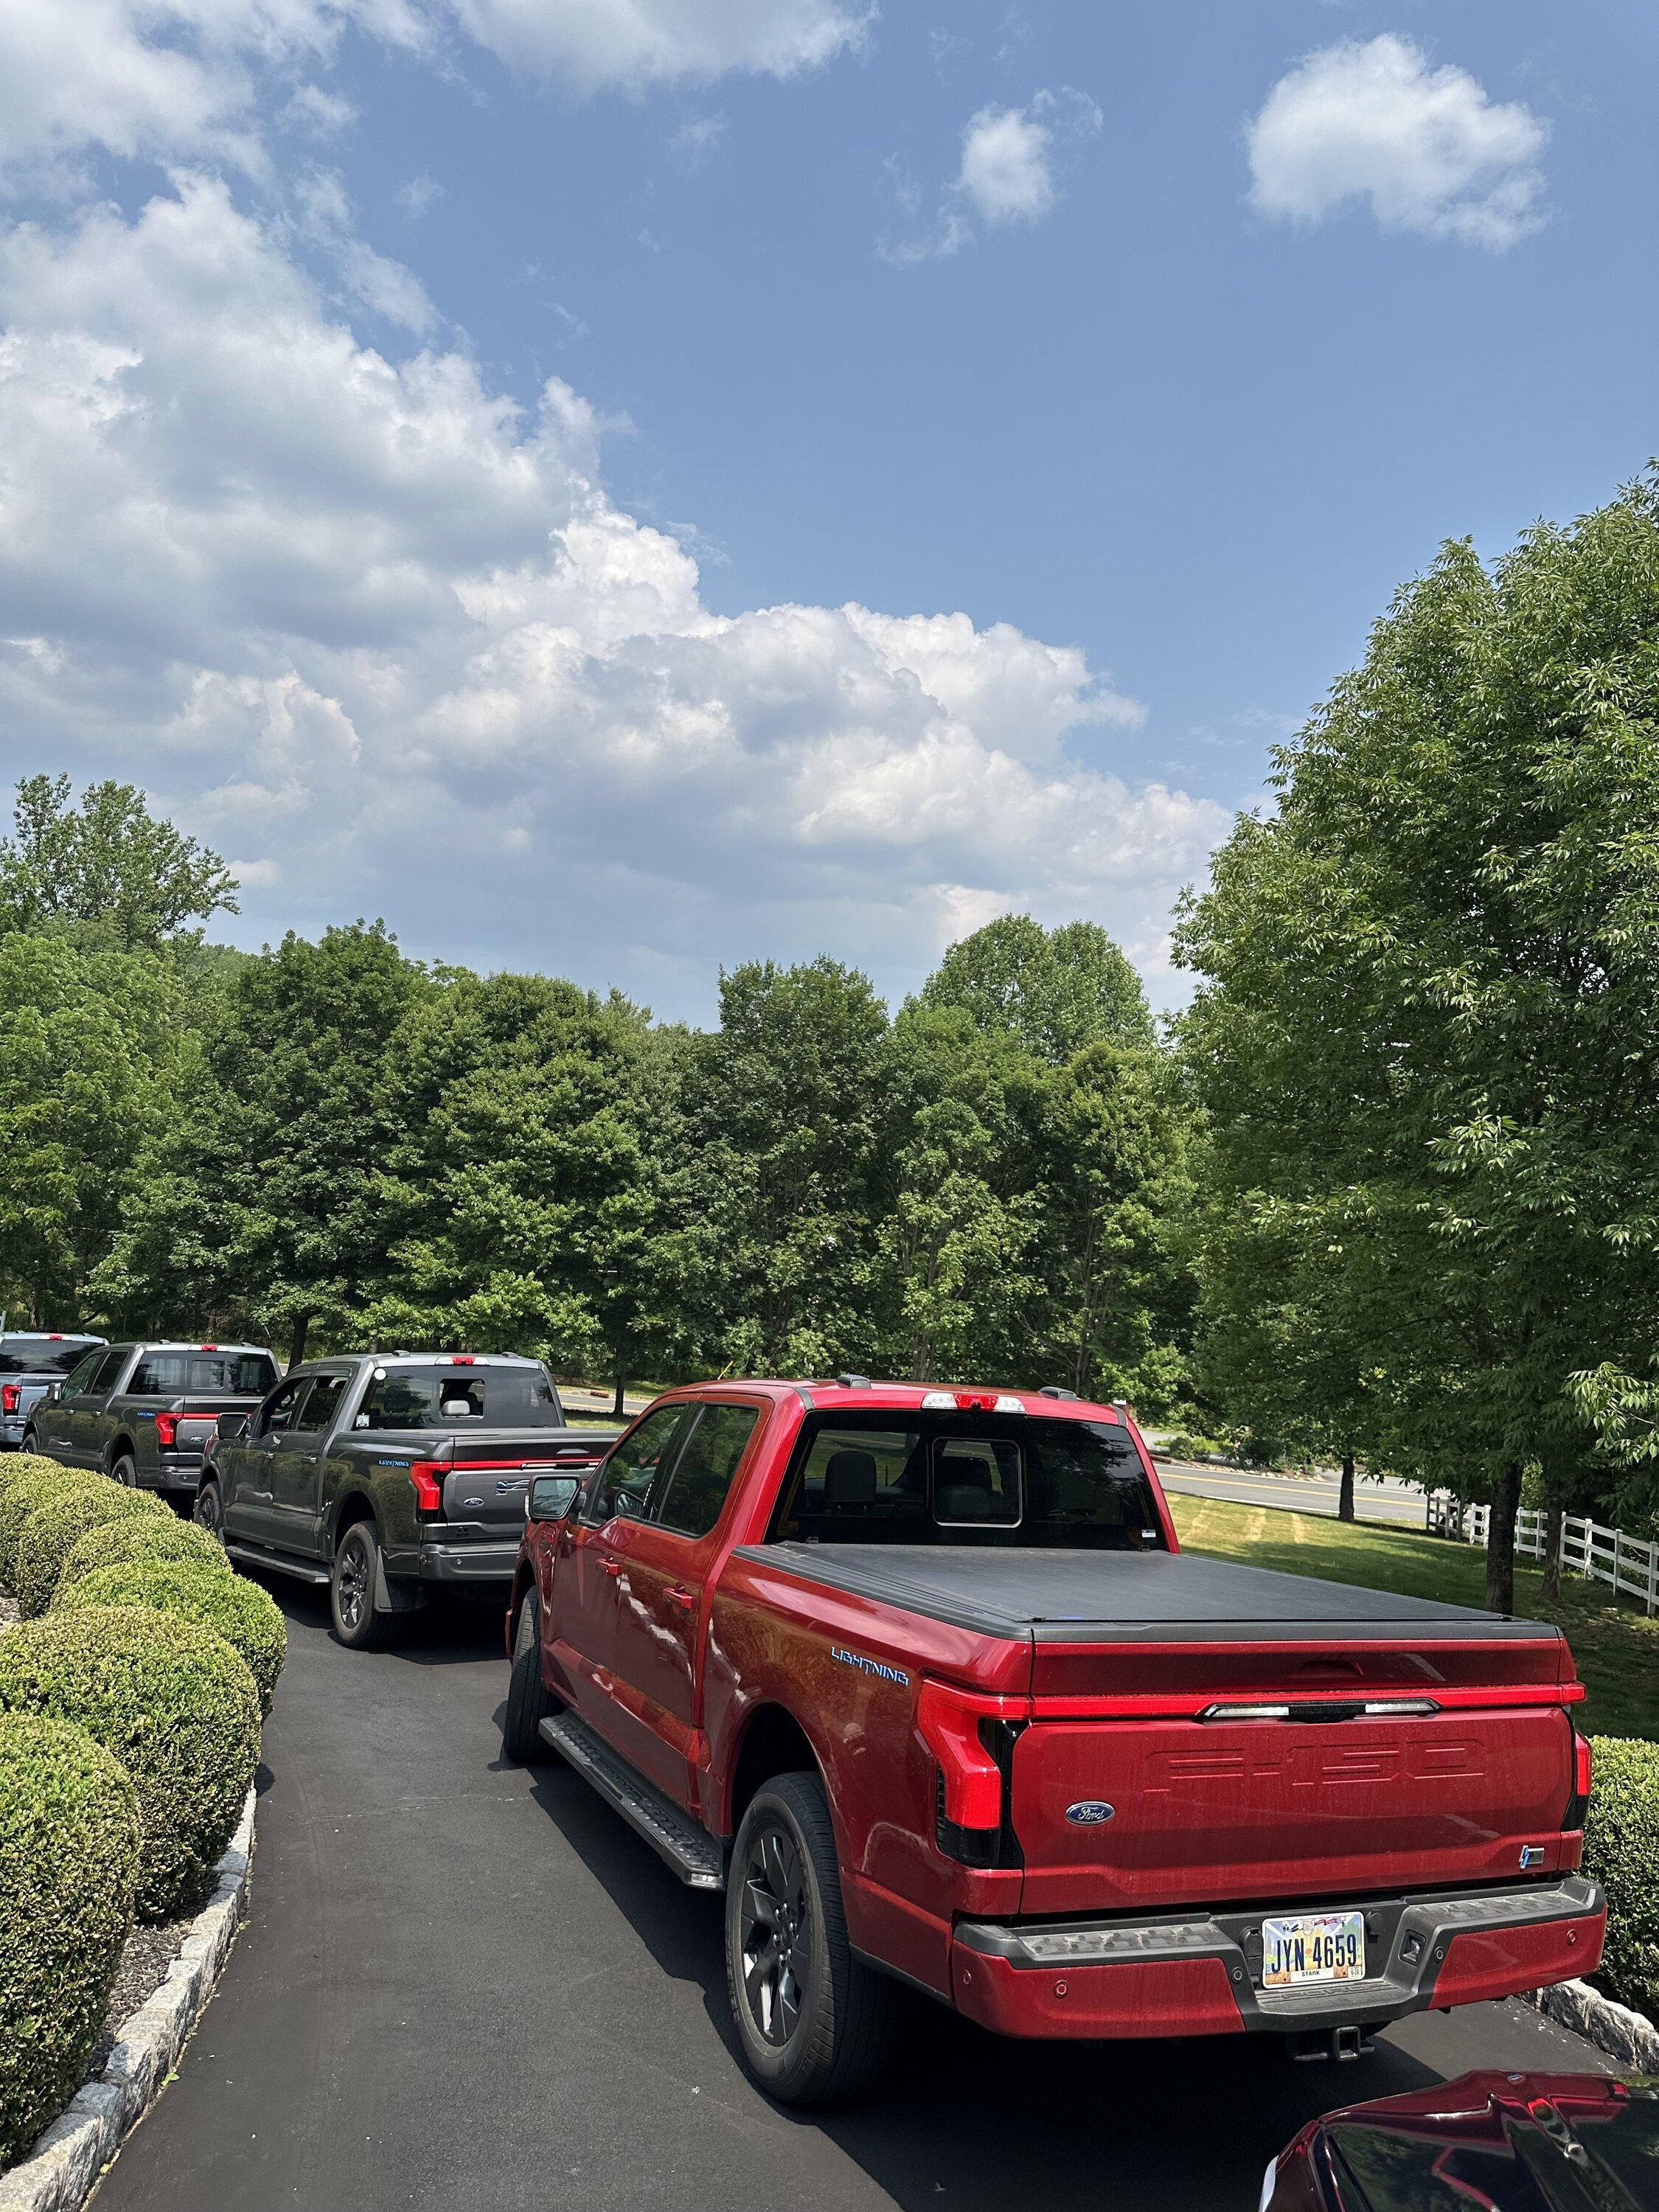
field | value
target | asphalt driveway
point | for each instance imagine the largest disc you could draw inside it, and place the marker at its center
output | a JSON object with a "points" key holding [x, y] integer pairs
{"points": [[468, 1987]]}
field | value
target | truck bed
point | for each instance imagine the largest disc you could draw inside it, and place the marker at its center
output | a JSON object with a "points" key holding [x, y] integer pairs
{"points": [[1102, 1597]]}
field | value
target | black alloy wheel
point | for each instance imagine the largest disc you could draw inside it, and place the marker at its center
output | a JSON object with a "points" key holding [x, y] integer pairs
{"points": [[209, 1511], [528, 1701], [123, 1471], [815, 2024], [359, 1622]]}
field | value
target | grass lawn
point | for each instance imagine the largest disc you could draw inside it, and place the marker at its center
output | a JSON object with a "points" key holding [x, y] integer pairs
{"points": [[1616, 1647]]}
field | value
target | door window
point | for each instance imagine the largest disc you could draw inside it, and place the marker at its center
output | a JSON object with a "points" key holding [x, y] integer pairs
{"points": [[624, 1485], [80, 1377], [277, 1415], [323, 1404], [229, 1374], [108, 1368], [696, 1491]]}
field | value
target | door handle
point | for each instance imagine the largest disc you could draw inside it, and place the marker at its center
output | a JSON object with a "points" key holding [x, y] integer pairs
{"points": [[611, 1567], [685, 1599]]}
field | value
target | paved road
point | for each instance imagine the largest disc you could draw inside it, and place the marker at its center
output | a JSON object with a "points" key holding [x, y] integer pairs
{"points": [[469, 1988], [1386, 1499]]}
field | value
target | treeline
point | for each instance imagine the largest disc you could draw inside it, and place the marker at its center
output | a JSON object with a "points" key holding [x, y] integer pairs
{"points": [[1387, 1193], [331, 1144]]}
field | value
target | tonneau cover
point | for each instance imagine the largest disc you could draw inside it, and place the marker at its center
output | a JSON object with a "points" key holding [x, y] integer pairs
{"points": [[1140, 1597]]}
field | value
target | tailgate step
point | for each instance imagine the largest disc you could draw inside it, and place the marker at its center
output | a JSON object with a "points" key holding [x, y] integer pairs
{"points": [[693, 1853]]}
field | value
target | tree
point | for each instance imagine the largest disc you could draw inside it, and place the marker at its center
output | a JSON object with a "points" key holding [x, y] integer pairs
{"points": [[260, 1205], [1055, 991], [1427, 1028], [771, 1186], [108, 861]]}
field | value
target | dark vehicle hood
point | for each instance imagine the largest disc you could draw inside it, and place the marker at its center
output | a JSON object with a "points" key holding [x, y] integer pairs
{"points": [[1525, 2143]]}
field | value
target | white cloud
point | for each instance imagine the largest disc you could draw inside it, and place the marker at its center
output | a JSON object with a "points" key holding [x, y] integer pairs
{"points": [[368, 624], [1425, 147], [697, 138], [595, 43], [1007, 172]]}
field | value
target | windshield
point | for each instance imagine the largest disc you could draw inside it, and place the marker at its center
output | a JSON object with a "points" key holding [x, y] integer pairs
{"points": [[444, 1396], [223, 1374], [42, 1355], [967, 1479]]}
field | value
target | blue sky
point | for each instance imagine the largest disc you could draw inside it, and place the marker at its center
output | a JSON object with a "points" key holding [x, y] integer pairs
{"points": [[1154, 346]]}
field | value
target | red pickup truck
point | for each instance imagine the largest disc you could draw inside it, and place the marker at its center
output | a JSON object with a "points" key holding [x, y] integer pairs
{"points": [[922, 1680]]}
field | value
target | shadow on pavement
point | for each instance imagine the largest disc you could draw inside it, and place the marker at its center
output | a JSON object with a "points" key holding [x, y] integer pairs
{"points": [[983, 2123]]}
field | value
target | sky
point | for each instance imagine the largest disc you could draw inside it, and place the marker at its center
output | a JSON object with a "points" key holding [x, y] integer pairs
{"points": [[624, 487]]}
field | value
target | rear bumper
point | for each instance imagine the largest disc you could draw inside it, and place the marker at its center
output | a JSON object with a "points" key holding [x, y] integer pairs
{"points": [[179, 1474], [1200, 1976], [12, 1426], [454, 1563]]}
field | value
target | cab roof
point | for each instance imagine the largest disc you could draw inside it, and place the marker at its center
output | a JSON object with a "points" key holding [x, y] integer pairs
{"points": [[858, 1393]]}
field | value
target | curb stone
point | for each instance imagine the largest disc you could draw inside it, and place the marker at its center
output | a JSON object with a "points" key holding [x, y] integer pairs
{"points": [[59, 2173], [1614, 2028]]}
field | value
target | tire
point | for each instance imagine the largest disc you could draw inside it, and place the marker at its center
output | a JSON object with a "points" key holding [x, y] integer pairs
{"points": [[209, 1511], [528, 1701], [122, 1470], [32, 1444], [359, 1623], [815, 2025]]}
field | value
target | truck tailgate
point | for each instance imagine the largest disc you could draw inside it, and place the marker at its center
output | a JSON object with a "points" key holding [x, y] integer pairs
{"points": [[484, 1477]]}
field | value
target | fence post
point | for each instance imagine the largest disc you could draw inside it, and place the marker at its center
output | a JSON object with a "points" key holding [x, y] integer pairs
{"points": [[1618, 1557]]}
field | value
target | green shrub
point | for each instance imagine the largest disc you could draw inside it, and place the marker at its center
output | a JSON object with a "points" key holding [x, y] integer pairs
{"points": [[231, 1606], [117, 1543], [1621, 1852], [19, 1467], [19, 1499], [178, 1708], [69, 1847], [57, 1524]]}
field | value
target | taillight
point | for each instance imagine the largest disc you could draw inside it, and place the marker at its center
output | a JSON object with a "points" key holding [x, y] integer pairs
{"points": [[10, 1395], [166, 1427], [426, 1478], [1578, 1803], [971, 1738]]}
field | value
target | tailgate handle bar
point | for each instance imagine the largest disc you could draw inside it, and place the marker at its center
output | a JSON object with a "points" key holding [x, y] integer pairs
{"points": [[1328, 1709]]}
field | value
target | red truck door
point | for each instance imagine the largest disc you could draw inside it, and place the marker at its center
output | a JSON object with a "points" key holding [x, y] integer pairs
{"points": [[589, 1572], [666, 1561]]}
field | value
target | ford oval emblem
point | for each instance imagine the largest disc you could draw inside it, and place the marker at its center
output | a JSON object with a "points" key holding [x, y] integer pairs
{"points": [[1089, 1813]]}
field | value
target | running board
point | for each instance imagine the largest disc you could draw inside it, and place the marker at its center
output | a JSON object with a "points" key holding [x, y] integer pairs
{"points": [[693, 1853], [276, 1563]]}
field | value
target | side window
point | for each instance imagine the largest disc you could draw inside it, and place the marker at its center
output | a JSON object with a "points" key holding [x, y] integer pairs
{"points": [[623, 1484], [277, 1413], [80, 1376], [702, 1474], [975, 1479], [323, 1404], [108, 1368]]}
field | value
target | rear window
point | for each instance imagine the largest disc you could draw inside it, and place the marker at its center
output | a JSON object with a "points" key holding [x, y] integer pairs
{"points": [[967, 1479], [43, 1355], [220, 1374], [442, 1396]]}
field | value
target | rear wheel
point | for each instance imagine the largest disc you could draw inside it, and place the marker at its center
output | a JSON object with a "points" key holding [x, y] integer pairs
{"points": [[359, 1622], [815, 2025], [529, 1702], [208, 1512], [31, 1442], [122, 1470]]}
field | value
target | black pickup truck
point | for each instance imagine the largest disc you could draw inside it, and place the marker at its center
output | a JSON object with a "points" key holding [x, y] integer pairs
{"points": [[144, 1412], [388, 1475]]}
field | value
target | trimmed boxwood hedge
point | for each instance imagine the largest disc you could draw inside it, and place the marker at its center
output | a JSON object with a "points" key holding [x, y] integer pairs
{"points": [[19, 1499], [231, 1606], [69, 1849], [115, 1543], [17, 1466], [1621, 1852], [174, 1704], [57, 1524]]}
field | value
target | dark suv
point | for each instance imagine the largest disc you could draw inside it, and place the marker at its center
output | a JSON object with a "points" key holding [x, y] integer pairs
{"points": [[143, 1412]]}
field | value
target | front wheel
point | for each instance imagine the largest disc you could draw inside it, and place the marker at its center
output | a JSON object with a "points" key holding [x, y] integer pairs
{"points": [[359, 1622], [209, 1511], [528, 1701], [815, 2025]]}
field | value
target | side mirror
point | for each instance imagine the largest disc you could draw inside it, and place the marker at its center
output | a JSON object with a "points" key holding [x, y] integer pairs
{"points": [[232, 1427], [550, 1497]]}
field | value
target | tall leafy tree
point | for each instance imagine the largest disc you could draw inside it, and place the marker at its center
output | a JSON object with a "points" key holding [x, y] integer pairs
{"points": [[1428, 1027], [107, 860], [1053, 991]]}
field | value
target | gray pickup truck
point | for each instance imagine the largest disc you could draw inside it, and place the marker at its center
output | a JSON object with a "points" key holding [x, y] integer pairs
{"points": [[31, 1361], [390, 1475], [145, 1412]]}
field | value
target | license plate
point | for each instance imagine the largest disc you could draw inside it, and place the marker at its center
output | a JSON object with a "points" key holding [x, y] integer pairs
{"points": [[1318, 1947]]}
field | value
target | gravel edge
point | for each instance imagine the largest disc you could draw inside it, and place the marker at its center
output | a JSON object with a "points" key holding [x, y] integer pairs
{"points": [[64, 2166], [1614, 2028]]}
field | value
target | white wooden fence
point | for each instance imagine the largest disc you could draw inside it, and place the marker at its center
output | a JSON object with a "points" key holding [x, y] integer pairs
{"points": [[1631, 1564]]}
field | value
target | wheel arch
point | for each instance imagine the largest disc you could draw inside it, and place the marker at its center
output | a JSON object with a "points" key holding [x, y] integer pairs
{"points": [[122, 1447], [355, 1506], [773, 1742]]}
